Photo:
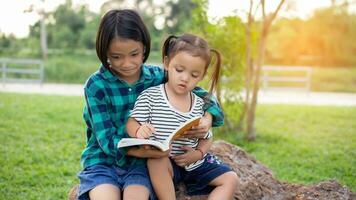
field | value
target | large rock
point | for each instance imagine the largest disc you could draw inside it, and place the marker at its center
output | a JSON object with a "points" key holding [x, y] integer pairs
{"points": [[257, 181]]}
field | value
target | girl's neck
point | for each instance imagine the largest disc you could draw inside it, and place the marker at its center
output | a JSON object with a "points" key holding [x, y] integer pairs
{"points": [[181, 102]]}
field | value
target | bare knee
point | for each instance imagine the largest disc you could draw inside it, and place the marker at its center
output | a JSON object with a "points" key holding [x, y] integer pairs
{"points": [[232, 179], [229, 179], [105, 191], [136, 192]]}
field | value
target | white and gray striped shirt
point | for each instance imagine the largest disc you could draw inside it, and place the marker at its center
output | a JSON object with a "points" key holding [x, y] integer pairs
{"points": [[152, 106]]}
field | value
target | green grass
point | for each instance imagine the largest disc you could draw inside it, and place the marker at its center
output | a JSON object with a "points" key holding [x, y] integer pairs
{"points": [[42, 138], [41, 141]]}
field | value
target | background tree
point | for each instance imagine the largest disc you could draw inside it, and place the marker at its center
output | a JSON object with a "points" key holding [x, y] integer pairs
{"points": [[178, 18], [68, 23], [324, 39], [227, 36], [42, 24], [255, 75]]}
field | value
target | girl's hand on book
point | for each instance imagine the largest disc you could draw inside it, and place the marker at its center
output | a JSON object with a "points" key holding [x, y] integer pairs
{"points": [[189, 157], [145, 131], [201, 130]]}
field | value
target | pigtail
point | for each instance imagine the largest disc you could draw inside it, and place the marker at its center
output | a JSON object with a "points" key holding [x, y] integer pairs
{"points": [[216, 74], [168, 43]]}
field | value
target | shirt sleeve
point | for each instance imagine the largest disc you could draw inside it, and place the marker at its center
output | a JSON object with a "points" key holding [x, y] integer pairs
{"points": [[142, 109], [211, 105], [209, 134], [106, 134]]}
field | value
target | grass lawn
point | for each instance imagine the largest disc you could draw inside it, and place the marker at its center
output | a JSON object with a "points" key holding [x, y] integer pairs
{"points": [[42, 138]]}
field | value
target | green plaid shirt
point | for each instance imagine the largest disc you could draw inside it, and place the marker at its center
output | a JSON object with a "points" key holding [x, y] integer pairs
{"points": [[108, 103]]}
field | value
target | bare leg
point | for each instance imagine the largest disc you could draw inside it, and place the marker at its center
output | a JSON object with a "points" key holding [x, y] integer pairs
{"points": [[136, 192], [105, 192], [225, 186], [161, 174]]}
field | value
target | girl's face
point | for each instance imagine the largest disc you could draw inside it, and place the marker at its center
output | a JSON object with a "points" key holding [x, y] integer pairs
{"points": [[126, 57], [184, 72]]}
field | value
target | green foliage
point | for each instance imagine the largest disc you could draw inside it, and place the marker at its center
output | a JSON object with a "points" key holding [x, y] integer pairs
{"points": [[71, 68], [42, 139], [325, 39], [88, 34], [8, 44], [69, 28], [228, 37], [179, 18], [65, 16]]}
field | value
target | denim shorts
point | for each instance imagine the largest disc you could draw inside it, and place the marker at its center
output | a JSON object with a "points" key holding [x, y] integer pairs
{"points": [[96, 175], [197, 181]]}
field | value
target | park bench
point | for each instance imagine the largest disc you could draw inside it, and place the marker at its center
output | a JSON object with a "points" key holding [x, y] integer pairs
{"points": [[16, 70], [286, 77]]}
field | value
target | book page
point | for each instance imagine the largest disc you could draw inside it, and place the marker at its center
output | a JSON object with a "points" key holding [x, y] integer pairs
{"points": [[126, 142]]}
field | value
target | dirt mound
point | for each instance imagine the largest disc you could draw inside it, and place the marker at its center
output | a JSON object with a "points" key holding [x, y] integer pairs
{"points": [[257, 181]]}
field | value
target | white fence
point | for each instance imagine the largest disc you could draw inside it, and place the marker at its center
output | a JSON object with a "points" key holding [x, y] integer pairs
{"points": [[22, 70], [286, 77]]}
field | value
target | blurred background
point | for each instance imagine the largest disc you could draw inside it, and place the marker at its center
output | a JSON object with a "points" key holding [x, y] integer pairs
{"points": [[295, 59], [318, 34]]}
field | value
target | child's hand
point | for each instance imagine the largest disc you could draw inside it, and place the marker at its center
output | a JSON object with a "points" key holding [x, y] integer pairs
{"points": [[145, 131], [189, 157], [201, 130]]}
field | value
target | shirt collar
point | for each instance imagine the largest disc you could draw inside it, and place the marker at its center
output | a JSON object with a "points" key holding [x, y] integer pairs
{"points": [[108, 75]]}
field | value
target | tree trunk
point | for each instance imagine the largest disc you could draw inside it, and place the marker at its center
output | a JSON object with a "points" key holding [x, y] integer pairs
{"points": [[266, 22], [43, 38], [43, 31], [249, 67], [251, 135]]}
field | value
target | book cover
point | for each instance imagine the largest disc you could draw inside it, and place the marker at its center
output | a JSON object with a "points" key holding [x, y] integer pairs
{"points": [[164, 146]]}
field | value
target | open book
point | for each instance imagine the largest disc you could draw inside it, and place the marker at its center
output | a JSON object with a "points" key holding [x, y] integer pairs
{"points": [[164, 146]]}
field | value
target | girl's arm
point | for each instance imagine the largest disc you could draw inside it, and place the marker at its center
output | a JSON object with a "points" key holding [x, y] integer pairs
{"points": [[136, 130], [192, 155], [131, 127]]}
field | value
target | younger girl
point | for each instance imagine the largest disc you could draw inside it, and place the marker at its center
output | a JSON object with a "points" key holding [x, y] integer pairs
{"points": [[122, 46], [161, 109]]}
